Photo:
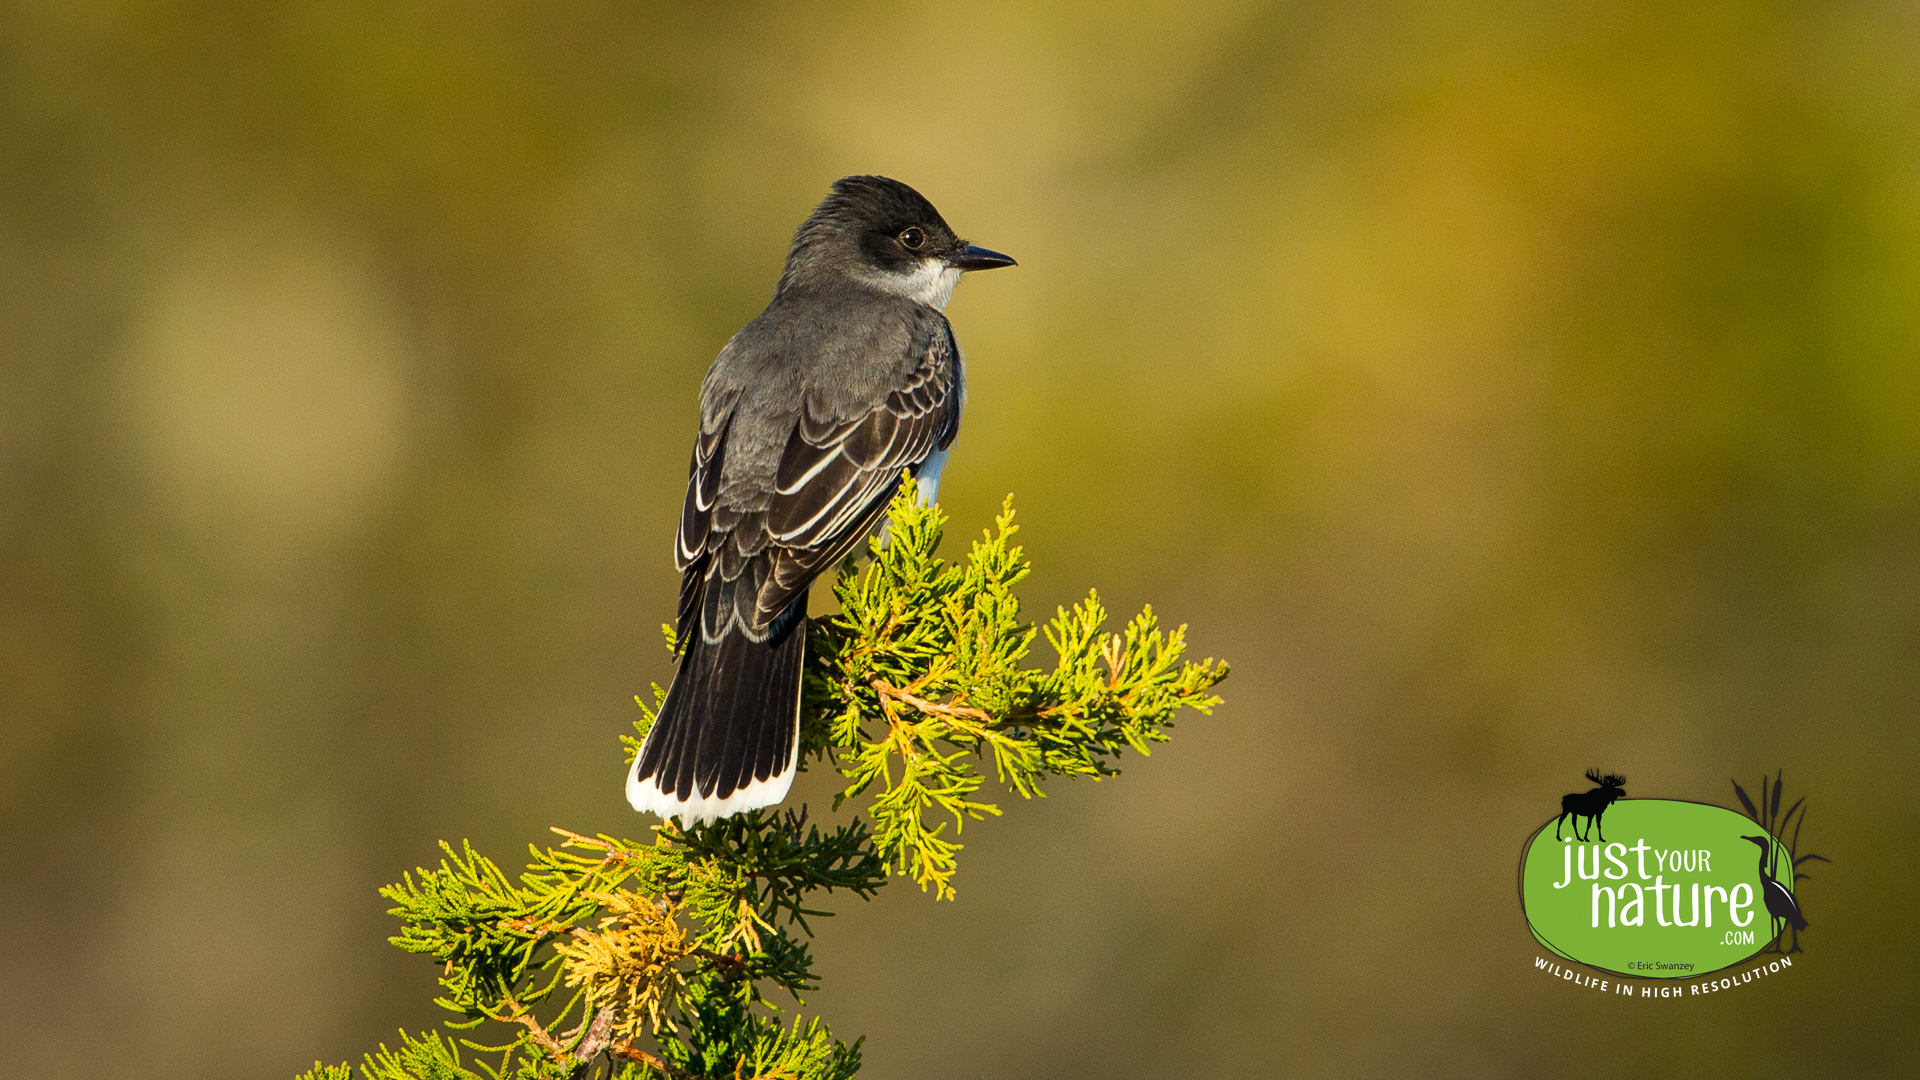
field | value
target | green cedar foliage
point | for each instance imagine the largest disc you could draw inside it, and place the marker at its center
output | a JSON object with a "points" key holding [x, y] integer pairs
{"points": [[611, 957]]}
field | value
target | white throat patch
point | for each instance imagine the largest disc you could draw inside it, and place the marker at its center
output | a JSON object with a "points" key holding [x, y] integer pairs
{"points": [[930, 283]]}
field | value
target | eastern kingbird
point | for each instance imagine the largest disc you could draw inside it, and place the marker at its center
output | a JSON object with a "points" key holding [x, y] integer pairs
{"points": [[807, 418]]}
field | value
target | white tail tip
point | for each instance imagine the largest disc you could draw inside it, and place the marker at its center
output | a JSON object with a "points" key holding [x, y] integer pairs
{"points": [[646, 796]]}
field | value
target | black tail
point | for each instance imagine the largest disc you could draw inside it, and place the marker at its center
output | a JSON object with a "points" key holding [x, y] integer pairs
{"points": [[725, 739]]}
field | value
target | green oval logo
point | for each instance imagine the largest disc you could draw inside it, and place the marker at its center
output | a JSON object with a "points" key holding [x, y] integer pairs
{"points": [[1677, 889]]}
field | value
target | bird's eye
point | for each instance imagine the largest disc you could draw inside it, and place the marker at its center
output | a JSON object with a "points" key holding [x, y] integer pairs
{"points": [[913, 238]]}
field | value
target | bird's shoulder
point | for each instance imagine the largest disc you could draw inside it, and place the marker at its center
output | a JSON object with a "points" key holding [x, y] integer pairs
{"points": [[841, 348]]}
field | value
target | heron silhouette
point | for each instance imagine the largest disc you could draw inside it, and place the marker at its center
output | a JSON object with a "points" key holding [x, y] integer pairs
{"points": [[1780, 902]]}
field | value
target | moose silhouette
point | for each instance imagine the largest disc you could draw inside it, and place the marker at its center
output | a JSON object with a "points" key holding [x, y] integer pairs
{"points": [[1590, 804]]}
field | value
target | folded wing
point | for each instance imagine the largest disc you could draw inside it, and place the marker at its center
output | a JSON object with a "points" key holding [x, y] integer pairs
{"points": [[835, 477]]}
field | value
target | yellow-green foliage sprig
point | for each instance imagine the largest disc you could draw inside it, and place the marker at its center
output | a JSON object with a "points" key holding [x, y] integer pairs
{"points": [[922, 675], [614, 958]]}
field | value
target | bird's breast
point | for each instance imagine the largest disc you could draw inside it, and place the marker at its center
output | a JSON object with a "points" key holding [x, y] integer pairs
{"points": [[928, 476]]}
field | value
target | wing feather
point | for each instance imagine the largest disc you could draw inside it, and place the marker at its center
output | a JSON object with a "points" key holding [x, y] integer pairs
{"points": [[703, 486], [834, 478]]}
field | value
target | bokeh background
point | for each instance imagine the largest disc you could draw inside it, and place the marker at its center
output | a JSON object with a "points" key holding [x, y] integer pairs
{"points": [[1504, 389]]}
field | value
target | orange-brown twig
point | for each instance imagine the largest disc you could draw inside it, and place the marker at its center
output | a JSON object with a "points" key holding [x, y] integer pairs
{"points": [[921, 704]]}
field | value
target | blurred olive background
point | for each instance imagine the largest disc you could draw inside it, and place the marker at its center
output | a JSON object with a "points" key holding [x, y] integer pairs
{"points": [[1505, 390]]}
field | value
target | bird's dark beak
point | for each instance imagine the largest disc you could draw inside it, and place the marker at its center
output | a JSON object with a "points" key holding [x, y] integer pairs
{"points": [[979, 258]]}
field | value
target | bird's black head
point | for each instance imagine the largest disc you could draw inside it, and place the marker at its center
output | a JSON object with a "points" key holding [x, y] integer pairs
{"points": [[1765, 843], [884, 234]]}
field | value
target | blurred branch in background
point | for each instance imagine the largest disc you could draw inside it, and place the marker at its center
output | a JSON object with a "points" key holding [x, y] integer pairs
{"points": [[669, 948]]}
